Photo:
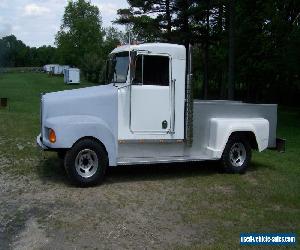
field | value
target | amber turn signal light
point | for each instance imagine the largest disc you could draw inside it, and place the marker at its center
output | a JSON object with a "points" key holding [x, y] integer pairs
{"points": [[52, 136]]}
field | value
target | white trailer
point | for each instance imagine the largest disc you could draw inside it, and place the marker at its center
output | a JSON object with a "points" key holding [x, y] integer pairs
{"points": [[72, 76], [146, 115], [47, 68], [63, 68], [56, 70]]}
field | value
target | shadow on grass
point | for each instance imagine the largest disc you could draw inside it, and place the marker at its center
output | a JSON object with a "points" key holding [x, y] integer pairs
{"points": [[256, 166], [52, 170], [161, 171]]}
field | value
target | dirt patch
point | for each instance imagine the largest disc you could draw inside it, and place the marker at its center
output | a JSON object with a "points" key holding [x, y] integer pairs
{"points": [[225, 190], [32, 237], [42, 210], [251, 179]]}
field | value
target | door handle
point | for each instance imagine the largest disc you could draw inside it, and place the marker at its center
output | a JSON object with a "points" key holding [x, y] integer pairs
{"points": [[164, 124]]}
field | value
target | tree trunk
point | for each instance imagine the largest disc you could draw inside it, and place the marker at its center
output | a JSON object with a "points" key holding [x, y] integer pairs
{"points": [[206, 55], [186, 30], [220, 73], [231, 53]]}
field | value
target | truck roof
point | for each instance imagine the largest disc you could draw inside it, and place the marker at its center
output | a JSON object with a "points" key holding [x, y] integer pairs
{"points": [[176, 51]]}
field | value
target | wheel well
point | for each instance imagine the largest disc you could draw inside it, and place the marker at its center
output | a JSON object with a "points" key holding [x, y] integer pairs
{"points": [[249, 136], [91, 138]]}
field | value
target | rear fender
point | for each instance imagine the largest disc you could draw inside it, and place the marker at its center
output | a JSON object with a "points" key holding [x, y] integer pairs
{"points": [[222, 128]]}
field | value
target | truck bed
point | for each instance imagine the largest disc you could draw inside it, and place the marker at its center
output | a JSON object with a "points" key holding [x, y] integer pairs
{"points": [[152, 152], [204, 110]]}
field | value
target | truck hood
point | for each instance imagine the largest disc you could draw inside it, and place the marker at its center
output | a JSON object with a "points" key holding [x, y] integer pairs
{"points": [[98, 101]]}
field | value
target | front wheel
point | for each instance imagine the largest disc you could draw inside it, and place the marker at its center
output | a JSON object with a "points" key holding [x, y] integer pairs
{"points": [[236, 155], [86, 163]]}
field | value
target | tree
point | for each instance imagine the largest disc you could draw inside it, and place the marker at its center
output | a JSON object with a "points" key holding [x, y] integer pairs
{"points": [[80, 38], [151, 20], [176, 21], [13, 52], [113, 38], [231, 50]]}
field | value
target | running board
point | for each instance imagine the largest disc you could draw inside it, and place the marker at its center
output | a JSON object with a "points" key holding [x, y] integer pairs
{"points": [[152, 160]]}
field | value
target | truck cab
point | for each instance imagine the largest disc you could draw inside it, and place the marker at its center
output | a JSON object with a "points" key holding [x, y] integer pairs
{"points": [[149, 97], [146, 115]]}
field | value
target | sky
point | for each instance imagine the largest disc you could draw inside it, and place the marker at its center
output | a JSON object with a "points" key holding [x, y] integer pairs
{"points": [[36, 22]]}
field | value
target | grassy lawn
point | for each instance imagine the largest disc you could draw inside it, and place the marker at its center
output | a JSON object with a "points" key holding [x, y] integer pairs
{"points": [[190, 206], [19, 123]]}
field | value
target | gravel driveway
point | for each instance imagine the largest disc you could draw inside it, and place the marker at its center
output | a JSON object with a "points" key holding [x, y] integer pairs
{"points": [[137, 207]]}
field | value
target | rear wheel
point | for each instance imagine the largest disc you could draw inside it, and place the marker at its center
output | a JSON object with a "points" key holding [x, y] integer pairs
{"points": [[236, 155], [86, 163]]}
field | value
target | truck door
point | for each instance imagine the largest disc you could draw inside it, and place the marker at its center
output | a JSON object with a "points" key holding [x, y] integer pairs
{"points": [[150, 107]]}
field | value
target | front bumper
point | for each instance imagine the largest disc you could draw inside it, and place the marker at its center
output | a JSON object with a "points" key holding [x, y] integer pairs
{"points": [[40, 143]]}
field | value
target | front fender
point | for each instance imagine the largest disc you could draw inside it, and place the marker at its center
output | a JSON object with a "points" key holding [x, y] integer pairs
{"points": [[69, 129], [222, 128]]}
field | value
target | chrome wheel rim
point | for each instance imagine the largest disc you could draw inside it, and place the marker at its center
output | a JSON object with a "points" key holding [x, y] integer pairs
{"points": [[86, 163], [237, 154]]}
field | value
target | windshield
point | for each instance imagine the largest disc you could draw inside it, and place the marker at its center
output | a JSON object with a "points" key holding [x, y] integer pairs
{"points": [[118, 67]]}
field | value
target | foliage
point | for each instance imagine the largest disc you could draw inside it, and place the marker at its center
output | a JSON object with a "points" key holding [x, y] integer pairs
{"points": [[265, 35], [91, 65], [83, 42], [80, 37], [266, 39], [14, 53]]}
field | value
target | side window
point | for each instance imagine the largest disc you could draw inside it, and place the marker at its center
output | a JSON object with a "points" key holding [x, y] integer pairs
{"points": [[156, 70], [152, 70]]}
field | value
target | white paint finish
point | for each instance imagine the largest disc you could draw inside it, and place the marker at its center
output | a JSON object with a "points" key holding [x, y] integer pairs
{"points": [[69, 129], [177, 69], [210, 139], [174, 50], [74, 114], [220, 130], [206, 110], [150, 106]]}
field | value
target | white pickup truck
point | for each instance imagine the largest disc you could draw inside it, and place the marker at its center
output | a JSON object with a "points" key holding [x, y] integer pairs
{"points": [[146, 115]]}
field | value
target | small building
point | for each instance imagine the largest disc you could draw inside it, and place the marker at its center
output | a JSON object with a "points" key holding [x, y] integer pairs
{"points": [[72, 76]]}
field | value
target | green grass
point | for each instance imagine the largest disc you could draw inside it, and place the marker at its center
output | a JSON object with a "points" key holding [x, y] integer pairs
{"points": [[19, 122], [265, 199]]}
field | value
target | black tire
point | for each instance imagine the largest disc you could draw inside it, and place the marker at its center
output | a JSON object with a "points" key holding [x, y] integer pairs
{"points": [[86, 150], [237, 148]]}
